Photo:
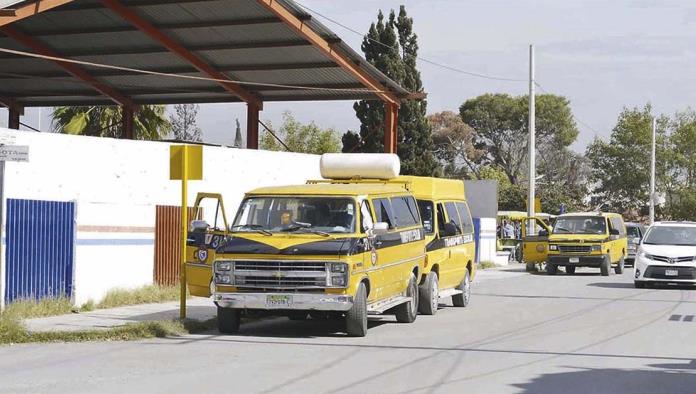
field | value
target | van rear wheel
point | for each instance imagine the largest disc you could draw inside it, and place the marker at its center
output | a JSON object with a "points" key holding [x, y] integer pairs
{"points": [[462, 300], [356, 317], [619, 269], [429, 295], [570, 269], [551, 269], [408, 311]]}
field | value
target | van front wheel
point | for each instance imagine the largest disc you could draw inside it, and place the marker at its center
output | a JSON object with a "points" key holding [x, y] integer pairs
{"points": [[619, 269], [228, 320], [606, 265], [408, 311], [429, 295], [356, 318]]}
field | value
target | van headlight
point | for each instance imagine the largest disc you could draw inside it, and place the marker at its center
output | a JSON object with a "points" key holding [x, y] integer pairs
{"points": [[553, 248], [596, 248], [223, 266], [339, 267], [338, 275], [223, 279]]}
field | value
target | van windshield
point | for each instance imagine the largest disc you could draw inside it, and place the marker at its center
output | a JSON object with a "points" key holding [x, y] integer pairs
{"points": [[671, 235], [580, 225], [296, 214]]}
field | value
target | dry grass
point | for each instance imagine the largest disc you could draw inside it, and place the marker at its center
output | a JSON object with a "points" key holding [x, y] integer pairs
{"points": [[142, 295], [484, 265]]}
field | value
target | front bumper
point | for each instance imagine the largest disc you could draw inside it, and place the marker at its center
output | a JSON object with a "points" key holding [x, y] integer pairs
{"points": [[297, 301], [657, 272], [582, 261]]}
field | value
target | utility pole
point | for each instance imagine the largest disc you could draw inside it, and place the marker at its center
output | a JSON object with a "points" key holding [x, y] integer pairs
{"points": [[652, 171], [532, 142]]}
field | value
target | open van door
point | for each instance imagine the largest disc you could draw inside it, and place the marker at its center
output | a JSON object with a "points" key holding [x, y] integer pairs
{"points": [[202, 241], [535, 246]]}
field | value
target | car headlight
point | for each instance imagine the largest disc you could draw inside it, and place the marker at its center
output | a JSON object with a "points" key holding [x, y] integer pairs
{"points": [[223, 279], [596, 248], [223, 266], [553, 247], [339, 267], [643, 255]]}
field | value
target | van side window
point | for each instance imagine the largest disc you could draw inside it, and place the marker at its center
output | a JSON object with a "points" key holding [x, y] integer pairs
{"points": [[406, 214], [467, 224], [365, 216], [383, 211], [440, 219], [454, 216], [617, 224], [425, 208]]}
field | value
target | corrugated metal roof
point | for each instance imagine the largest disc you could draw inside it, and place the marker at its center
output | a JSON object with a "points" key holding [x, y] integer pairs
{"points": [[240, 38]]}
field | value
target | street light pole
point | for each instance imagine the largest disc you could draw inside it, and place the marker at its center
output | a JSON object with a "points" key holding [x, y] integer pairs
{"points": [[532, 141], [652, 172]]}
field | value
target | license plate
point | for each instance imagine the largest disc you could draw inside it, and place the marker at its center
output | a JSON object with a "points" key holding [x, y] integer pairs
{"points": [[671, 272], [278, 301], [574, 260]]}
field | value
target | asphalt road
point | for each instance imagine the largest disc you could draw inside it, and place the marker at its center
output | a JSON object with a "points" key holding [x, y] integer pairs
{"points": [[521, 334]]}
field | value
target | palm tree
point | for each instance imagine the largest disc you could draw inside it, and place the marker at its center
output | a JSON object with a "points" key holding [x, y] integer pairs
{"points": [[149, 122]]}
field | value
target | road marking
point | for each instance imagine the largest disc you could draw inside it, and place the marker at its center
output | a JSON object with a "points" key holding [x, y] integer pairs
{"points": [[689, 318], [675, 317]]}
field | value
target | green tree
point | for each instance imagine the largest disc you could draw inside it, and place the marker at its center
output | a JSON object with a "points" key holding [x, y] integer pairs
{"points": [[392, 47], [308, 138], [453, 145], [680, 181], [149, 123], [620, 168], [183, 122]]}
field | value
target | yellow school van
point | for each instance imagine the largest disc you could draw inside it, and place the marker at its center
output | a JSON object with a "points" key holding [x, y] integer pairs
{"points": [[343, 247], [594, 239], [449, 235]]}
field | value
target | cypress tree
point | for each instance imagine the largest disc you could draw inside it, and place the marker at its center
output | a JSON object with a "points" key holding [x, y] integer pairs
{"points": [[392, 47]]}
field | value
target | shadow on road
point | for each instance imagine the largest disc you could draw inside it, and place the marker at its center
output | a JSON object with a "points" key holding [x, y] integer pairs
{"points": [[284, 328], [610, 285], [616, 381]]}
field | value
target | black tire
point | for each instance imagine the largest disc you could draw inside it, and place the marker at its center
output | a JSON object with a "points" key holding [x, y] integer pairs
{"points": [[297, 316], [408, 311], [639, 284], [570, 269], [551, 269], [605, 266], [228, 320], [530, 267], [619, 269], [462, 300], [429, 295], [356, 317]]}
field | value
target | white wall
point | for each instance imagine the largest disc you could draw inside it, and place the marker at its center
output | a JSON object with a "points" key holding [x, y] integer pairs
{"points": [[487, 239], [117, 184]]}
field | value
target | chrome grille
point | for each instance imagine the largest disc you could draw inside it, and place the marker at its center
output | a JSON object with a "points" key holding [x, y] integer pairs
{"points": [[574, 248], [673, 260], [264, 274]]}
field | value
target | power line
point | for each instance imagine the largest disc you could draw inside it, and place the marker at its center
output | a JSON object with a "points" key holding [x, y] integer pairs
{"points": [[424, 60], [275, 136]]}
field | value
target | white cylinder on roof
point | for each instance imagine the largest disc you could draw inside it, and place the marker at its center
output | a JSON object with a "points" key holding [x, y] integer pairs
{"points": [[359, 165]]}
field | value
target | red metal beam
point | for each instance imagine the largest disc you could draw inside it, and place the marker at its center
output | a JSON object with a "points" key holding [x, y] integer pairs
{"points": [[151, 31], [31, 9], [300, 27], [252, 126], [11, 104], [71, 68], [391, 126]]}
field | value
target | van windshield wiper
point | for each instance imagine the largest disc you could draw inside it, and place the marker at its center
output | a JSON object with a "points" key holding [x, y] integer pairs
{"points": [[256, 227], [305, 227]]}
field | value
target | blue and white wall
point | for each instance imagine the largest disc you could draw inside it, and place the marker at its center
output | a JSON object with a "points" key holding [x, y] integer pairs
{"points": [[116, 185]]}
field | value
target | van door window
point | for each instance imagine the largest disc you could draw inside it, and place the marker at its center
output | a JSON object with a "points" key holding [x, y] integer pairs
{"points": [[366, 222], [383, 211], [427, 215], [453, 216], [441, 219], [406, 214], [467, 223]]}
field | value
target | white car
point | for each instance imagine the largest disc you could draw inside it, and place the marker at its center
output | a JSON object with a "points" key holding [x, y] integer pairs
{"points": [[667, 254]]}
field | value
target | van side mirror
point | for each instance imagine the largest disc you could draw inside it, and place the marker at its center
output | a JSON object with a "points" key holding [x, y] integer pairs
{"points": [[199, 226], [614, 232], [379, 228], [543, 233], [449, 230]]}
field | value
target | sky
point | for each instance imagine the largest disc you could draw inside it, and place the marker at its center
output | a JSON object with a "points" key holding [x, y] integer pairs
{"points": [[601, 55]]}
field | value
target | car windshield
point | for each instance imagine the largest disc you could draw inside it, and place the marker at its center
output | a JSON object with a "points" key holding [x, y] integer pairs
{"points": [[580, 225], [632, 232], [671, 235], [296, 214]]}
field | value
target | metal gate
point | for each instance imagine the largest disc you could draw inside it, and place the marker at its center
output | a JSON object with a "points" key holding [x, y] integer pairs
{"points": [[40, 250], [168, 243]]}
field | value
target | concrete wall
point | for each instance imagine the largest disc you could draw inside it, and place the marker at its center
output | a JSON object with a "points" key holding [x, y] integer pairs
{"points": [[117, 184]]}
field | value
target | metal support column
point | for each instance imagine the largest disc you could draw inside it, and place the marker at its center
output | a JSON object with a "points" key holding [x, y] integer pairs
{"points": [[128, 123], [253, 126], [391, 123], [13, 119]]}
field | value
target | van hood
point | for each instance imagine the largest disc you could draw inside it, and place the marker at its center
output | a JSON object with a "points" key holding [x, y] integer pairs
{"points": [[589, 238], [669, 250], [281, 244]]}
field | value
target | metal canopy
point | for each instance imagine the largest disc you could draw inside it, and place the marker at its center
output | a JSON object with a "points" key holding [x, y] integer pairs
{"points": [[261, 41]]}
